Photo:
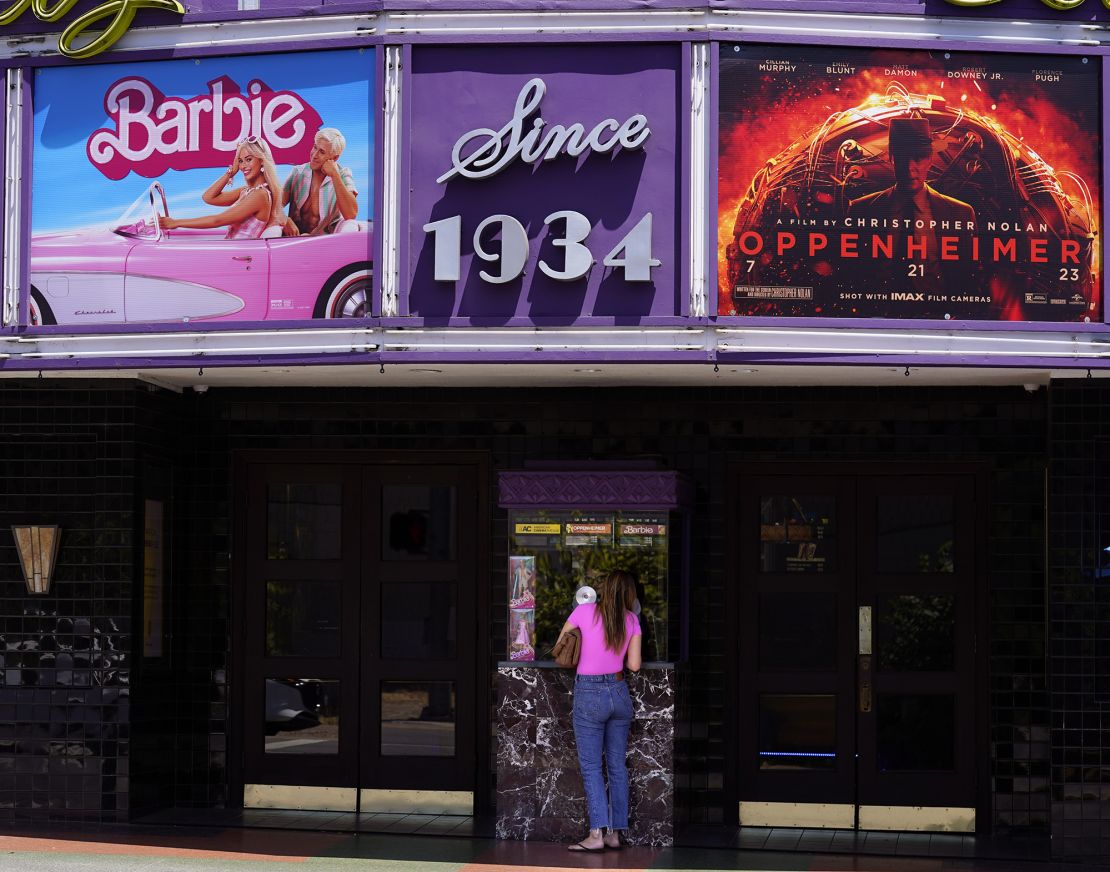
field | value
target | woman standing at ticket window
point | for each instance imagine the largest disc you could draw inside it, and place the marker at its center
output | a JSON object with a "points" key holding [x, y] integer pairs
{"points": [[602, 708]]}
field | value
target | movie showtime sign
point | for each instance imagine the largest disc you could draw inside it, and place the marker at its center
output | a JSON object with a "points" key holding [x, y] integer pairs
{"points": [[880, 183]]}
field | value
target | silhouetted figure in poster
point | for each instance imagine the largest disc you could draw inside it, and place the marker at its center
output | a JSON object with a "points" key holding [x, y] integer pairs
{"points": [[923, 216]]}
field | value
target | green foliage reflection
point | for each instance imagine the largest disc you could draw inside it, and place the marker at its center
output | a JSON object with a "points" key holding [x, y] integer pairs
{"points": [[562, 570]]}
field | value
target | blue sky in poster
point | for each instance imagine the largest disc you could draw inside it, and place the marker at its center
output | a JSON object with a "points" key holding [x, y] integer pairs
{"points": [[68, 191]]}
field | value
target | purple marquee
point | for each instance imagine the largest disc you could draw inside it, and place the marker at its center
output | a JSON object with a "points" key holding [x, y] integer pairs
{"points": [[566, 160]]}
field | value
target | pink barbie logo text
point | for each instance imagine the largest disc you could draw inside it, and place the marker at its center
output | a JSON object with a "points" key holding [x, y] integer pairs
{"points": [[154, 133]]}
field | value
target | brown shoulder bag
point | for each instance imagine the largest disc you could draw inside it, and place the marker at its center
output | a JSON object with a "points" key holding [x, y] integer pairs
{"points": [[568, 648]]}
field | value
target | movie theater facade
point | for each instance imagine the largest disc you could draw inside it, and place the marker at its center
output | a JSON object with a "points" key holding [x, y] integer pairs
{"points": [[796, 309]]}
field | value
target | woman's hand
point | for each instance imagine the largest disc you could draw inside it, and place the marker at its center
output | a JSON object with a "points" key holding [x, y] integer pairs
{"points": [[217, 194], [168, 223]]}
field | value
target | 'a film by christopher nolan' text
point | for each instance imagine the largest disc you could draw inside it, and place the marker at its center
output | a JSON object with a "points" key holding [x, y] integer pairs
{"points": [[875, 183]]}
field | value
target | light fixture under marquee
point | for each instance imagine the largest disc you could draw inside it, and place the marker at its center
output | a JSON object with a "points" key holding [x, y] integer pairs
{"points": [[38, 554]]}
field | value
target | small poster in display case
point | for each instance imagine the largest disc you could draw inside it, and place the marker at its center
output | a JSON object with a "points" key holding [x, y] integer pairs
{"points": [[522, 634], [637, 533], [522, 575], [589, 533], [537, 532]]}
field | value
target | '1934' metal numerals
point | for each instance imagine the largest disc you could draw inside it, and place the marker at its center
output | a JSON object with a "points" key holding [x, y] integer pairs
{"points": [[632, 253]]}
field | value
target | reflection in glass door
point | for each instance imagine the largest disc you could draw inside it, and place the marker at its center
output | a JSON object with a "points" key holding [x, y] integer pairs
{"points": [[358, 609], [856, 692]]}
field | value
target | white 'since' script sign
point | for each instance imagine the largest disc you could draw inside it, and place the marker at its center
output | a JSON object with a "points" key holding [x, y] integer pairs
{"points": [[496, 149]]}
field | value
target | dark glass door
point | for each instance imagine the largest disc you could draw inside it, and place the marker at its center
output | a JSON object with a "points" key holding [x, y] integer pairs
{"points": [[359, 625], [796, 607], [916, 576], [419, 582], [857, 651], [301, 594]]}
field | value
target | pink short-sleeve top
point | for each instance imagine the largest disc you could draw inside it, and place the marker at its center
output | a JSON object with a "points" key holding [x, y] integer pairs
{"points": [[250, 227], [595, 658]]}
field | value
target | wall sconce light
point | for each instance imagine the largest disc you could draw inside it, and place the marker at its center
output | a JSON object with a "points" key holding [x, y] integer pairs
{"points": [[38, 552]]}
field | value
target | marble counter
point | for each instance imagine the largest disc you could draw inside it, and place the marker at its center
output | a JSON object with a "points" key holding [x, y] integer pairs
{"points": [[539, 787]]}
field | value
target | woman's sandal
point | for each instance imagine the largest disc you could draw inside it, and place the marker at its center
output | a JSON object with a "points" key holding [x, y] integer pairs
{"points": [[578, 846]]}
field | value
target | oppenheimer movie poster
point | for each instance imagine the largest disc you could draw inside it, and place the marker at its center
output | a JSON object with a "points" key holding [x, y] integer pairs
{"points": [[875, 183]]}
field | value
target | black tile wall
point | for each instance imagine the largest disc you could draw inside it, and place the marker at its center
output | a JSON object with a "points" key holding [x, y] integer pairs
{"points": [[1079, 618], [180, 719], [67, 458]]}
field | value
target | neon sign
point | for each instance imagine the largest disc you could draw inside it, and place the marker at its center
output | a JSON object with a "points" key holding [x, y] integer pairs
{"points": [[1058, 5], [119, 14]]}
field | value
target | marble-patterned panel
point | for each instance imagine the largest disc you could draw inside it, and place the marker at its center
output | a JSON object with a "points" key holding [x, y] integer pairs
{"points": [[559, 829], [516, 800], [652, 693], [554, 744], [651, 747], [651, 796], [559, 793], [518, 688], [519, 828], [516, 744], [656, 833], [558, 697]]}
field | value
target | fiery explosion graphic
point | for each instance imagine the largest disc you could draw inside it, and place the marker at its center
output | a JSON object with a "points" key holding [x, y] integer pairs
{"points": [[797, 114]]}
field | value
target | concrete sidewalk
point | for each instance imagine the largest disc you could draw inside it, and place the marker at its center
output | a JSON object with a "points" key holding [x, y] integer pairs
{"points": [[190, 849]]}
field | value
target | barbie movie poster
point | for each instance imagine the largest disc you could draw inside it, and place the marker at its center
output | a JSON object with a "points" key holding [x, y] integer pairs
{"points": [[209, 189], [901, 184]]}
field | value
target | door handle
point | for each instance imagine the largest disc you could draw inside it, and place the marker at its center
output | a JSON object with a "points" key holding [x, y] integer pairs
{"points": [[245, 257], [863, 671]]}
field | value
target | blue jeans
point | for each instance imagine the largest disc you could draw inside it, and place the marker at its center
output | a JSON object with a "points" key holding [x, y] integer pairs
{"points": [[602, 717]]}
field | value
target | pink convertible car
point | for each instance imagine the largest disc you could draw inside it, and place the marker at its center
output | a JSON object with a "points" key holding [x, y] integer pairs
{"points": [[138, 273]]}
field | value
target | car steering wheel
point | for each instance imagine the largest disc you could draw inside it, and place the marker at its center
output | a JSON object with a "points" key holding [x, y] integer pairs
{"points": [[156, 187]]}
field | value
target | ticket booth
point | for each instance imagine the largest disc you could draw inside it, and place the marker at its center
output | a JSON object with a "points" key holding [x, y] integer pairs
{"points": [[565, 529]]}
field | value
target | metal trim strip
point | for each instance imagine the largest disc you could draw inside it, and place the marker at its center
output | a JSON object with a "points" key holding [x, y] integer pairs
{"points": [[300, 797], [699, 134], [917, 819], [807, 815], [13, 195], [453, 802]]}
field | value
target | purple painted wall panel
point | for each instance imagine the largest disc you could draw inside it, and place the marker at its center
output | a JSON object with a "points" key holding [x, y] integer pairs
{"points": [[457, 89]]}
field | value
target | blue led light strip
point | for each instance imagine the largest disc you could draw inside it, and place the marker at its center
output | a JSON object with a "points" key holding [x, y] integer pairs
{"points": [[794, 754]]}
